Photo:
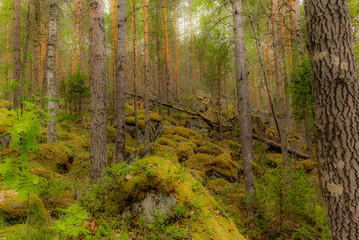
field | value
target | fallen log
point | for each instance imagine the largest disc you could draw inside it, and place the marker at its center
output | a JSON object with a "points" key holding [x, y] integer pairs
{"points": [[212, 123]]}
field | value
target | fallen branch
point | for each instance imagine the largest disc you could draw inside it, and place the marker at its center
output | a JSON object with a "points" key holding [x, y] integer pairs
{"points": [[212, 123]]}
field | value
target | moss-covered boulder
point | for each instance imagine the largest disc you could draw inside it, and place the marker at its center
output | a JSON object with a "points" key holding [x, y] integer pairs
{"points": [[221, 166], [13, 208], [206, 150], [184, 150], [218, 185], [184, 132], [72, 140], [155, 184], [55, 156], [308, 165], [273, 160], [165, 142]]}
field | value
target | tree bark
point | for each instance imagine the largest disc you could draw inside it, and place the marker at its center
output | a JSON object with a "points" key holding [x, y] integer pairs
{"points": [[17, 54], [279, 92], [147, 76], [244, 108], [335, 86], [51, 72], [98, 143], [119, 154]]}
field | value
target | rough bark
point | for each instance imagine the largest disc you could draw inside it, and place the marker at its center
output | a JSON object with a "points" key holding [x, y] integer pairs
{"points": [[119, 154], [146, 79], [98, 141], [279, 91], [51, 72], [17, 54], [244, 109], [335, 85]]}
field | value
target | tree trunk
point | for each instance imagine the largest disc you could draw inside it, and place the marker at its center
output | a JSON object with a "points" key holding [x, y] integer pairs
{"points": [[335, 86], [279, 92], [27, 39], [119, 154], [244, 108], [51, 72], [147, 76], [17, 54], [98, 144]]}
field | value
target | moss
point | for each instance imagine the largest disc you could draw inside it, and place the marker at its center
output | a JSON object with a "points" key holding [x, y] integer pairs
{"points": [[130, 141], [205, 150], [225, 167], [5, 104], [43, 172], [165, 141], [273, 160], [55, 156], [199, 162], [256, 169], [129, 110], [132, 122], [154, 117], [184, 150], [14, 208], [72, 140], [234, 146], [308, 165], [111, 133], [258, 126], [170, 120], [166, 177], [177, 138], [272, 134], [219, 185], [168, 130], [184, 132]]}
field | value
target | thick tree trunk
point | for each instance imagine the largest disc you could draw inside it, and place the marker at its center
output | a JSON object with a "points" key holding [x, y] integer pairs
{"points": [[17, 54], [279, 92], [244, 109], [98, 144], [335, 85], [147, 76], [51, 72], [119, 154]]}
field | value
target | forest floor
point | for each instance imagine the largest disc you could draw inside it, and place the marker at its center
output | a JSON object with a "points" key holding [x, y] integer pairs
{"points": [[189, 187]]}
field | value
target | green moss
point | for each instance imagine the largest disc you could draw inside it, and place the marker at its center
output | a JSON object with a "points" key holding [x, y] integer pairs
{"points": [[132, 122], [226, 167], [308, 165], [55, 156], [218, 185], [43, 172], [14, 208], [168, 130], [165, 141], [184, 132], [199, 162], [5, 104], [167, 177], [273, 160], [184, 151], [177, 138], [130, 141], [72, 140], [205, 150]]}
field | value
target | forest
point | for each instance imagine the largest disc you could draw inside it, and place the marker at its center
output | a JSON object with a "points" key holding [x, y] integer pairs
{"points": [[179, 119]]}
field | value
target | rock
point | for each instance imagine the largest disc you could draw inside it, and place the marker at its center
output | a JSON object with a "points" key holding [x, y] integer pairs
{"points": [[15, 209], [199, 106], [184, 151], [196, 124], [153, 203], [266, 118]]}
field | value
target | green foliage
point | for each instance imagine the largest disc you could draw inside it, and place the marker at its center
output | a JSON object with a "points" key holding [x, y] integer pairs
{"points": [[286, 208], [26, 125], [302, 92], [70, 224]]}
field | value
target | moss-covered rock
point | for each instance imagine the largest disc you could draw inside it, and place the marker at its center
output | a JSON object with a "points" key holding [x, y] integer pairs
{"points": [[55, 156], [168, 130], [165, 142], [14, 208], [131, 121], [72, 140], [224, 166], [218, 185], [308, 165], [206, 150], [184, 132], [184, 150], [43, 172], [273, 160], [154, 179]]}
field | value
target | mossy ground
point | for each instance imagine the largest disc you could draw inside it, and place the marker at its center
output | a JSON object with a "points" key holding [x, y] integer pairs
{"points": [[203, 174]]}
